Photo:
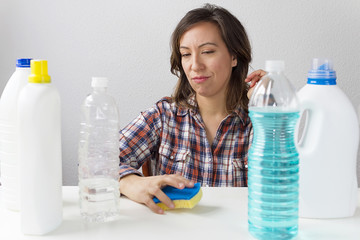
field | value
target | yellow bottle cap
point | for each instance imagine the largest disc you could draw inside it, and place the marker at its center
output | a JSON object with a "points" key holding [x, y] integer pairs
{"points": [[39, 72]]}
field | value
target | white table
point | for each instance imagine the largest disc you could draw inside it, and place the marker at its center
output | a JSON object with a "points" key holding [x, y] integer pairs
{"points": [[221, 214]]}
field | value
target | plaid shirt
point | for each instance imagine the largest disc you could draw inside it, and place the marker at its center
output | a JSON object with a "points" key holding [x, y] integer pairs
{"points": [[174, 139]]}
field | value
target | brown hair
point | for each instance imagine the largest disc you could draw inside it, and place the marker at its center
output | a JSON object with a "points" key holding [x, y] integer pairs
{"points": [[235, 37]]}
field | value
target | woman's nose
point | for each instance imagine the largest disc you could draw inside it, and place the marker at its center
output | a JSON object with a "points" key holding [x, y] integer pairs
{"points": [[197, 63]]}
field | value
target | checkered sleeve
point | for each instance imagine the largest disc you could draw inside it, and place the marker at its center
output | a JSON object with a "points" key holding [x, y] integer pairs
{"points": [[138, 140]]}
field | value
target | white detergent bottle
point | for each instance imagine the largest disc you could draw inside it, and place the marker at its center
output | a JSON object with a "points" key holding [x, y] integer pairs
{"points": [[40, 153], [328, 148], [8, 134]]}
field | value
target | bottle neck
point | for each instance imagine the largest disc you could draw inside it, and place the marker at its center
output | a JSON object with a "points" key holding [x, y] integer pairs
{"points": [[272, 73], [99, 89], [322, 81], [23, 69], [322, 77]]}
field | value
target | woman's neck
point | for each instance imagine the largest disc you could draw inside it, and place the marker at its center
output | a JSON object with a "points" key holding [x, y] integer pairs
{"points": [[212, 111], [215, 107]]}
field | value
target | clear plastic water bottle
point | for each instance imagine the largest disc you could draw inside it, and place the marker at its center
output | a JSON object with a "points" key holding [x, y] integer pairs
{"points": [[99, 155], [8, 134], [273, 164]]}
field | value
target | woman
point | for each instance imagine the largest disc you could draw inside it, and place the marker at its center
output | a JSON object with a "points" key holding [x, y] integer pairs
{"points": [[203, 132]]}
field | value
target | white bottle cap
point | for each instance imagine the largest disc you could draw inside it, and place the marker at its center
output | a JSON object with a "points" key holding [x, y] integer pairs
{"points": [[99, 82], [274, 66]]}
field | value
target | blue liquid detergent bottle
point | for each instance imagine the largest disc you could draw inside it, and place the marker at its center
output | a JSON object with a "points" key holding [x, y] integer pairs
{"points": [[273, 165]]}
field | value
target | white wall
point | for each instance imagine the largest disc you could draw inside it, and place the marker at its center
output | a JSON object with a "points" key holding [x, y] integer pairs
{"points": [[128, 41]]}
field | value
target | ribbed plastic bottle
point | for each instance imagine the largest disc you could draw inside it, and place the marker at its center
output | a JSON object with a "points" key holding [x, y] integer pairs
{"points": [[99, 155], [329, 147], [8, 135], [40, 153], [273, 162]]}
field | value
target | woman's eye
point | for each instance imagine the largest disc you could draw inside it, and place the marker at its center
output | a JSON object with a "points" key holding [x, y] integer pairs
{"points": [[185, 54], [208, 52]]}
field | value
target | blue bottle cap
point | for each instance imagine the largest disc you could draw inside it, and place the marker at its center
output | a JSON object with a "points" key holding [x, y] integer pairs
{"points": [[322, 72], [23, 62]]}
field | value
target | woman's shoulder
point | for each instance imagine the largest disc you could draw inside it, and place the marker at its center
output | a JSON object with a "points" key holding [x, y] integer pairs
{"points": [[169, 106], [243, 116], [167, 100]]}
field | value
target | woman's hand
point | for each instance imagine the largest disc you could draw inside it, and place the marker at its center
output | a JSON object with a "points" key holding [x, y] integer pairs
{"points": [[253, 78], [143, 189]]}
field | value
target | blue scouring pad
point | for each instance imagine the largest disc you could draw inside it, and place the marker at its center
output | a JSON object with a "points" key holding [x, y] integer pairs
{"points": [[182, 198]]}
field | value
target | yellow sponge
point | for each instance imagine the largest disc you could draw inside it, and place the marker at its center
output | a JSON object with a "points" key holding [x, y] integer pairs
{"points": [[182, 198]]}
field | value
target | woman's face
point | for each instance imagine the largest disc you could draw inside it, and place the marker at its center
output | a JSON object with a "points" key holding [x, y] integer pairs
{"points": [[206, 60]]}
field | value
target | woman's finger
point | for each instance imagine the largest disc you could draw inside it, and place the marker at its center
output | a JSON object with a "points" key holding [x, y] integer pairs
{"points": [[149, 202], [256, 75], [254, 81], [164, 198], [177, 181], [250, 76]]}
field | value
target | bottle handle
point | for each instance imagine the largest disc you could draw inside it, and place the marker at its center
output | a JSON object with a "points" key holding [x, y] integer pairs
{"points": [[309, 138], [304, 113]]}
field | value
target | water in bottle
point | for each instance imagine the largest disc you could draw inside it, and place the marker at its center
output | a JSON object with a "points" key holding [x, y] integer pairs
{"points": [[328, 148], [40, 153], [8, 135], [99, 155], [273, 157]]}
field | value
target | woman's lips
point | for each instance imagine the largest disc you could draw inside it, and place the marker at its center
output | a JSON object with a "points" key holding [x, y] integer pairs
{"points": [[200, 79]]}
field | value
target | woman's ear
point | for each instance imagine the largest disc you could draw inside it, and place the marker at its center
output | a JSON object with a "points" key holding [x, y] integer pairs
{"points": [[234, 61]]}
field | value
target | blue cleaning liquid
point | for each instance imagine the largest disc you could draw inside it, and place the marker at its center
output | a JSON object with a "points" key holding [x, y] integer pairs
{"points": [[273, 169]]}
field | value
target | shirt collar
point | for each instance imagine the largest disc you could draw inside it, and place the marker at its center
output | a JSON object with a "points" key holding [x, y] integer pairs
{"points": [[182, 111]]}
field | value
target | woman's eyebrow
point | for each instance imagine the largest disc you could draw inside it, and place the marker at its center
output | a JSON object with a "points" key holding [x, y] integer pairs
{"points": [[207, 43], [201, 45]]}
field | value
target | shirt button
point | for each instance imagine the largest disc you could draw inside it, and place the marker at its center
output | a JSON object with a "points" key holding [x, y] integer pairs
{"points": [[171, 157], [246, 166]]}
